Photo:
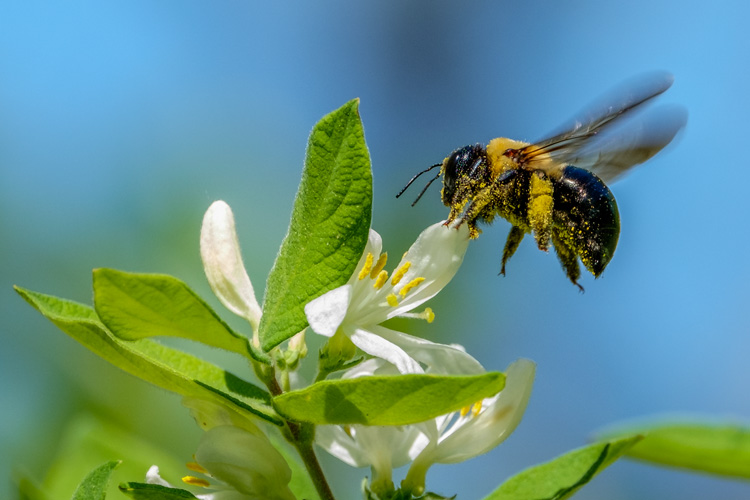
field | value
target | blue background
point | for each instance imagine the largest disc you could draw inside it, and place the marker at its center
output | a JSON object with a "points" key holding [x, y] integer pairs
{"points": [[120, 123]]}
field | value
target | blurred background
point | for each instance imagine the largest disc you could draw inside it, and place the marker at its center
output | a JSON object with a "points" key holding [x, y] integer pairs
{"points": [[121, 122]]}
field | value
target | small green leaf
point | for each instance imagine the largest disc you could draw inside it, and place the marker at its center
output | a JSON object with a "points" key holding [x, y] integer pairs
{"points": [[94, 485], [392, 400], [144, 491], [717, 448], [329, 227], [135, 306], [162, 366], [563, 476]]}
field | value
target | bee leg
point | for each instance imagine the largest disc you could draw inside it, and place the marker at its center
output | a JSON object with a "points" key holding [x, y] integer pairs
{"points": [[511, 245], [540, 208], [568, 258], [477, 210]]}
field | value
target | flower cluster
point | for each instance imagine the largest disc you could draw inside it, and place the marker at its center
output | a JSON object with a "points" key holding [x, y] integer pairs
{"points": [[237, 454]]}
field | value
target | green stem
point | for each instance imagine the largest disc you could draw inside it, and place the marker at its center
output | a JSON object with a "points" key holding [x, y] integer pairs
{"points": [[306, 452], [302, 438]]}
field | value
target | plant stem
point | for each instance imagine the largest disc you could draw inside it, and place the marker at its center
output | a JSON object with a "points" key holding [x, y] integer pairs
{"points": [[302, 439], [306, 452]]}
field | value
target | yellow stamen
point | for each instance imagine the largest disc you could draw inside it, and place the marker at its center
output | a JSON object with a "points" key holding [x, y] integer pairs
{"points": [[379, 265], [380, 281], [392, 300], [196, 467], [409, 286], [366, 268], [399, 273], [476, 408], [196, 481], [473, 408], [428, 315]]}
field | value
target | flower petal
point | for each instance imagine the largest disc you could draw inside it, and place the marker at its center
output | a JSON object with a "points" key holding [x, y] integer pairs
{"points": [[374, 344], [436, 256], [222, 261], [246, 462], [495, 423], [374, 246], [439, 358], [153, 477], [326, 313]]}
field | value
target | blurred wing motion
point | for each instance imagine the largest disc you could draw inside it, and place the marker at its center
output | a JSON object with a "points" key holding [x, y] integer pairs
{"points": [[606, 138]]}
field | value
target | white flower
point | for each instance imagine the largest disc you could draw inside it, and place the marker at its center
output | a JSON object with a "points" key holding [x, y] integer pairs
{"points": [[357, 309], [384, 448], [380, 448], [475, 430], [236, 456], [222, 261]]}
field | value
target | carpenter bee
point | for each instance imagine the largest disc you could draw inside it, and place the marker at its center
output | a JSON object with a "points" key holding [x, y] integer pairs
{"points": [[555, 188]]}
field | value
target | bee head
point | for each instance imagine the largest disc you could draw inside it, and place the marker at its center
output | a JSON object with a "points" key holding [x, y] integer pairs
{"points": [[462, 167]]}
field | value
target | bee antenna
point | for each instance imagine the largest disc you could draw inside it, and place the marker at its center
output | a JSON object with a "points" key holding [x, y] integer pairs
{"points": [[425, 188], [415, 178]]}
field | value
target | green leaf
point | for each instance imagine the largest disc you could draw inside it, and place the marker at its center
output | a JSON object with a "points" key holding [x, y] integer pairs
{"points": [[135, 306], [391, 400], [563, 476], [163, 366], [329, 227], [94, 485], [717, 448], [144, 491], [88, 440]]}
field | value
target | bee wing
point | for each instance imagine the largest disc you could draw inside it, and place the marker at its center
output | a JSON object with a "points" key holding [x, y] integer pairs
{"points": [[596, 139], [612, 153]]}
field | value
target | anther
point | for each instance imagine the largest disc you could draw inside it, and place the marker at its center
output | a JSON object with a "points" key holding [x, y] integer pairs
{"points": [[196, 481], [409, 286], [366, 268], [379, 265], [399, 273], [392, 300], [381, 279], [196, 467]]}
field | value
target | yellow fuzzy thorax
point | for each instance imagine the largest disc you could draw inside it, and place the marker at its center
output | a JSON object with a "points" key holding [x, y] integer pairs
{"points": [[496, 158]]}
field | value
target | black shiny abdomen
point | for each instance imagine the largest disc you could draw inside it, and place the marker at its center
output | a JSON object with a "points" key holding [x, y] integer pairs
{"points": [[585, 213]]}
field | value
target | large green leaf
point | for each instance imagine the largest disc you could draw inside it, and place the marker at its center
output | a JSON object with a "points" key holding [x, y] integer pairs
{"points": [[94, 485], [329, 227], [135, 306], [563, 476], [390, 400], [715, 447], [163, 366]]}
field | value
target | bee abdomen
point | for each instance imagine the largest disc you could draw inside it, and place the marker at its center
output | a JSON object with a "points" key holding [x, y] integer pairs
{"points": [[586, 216]]}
